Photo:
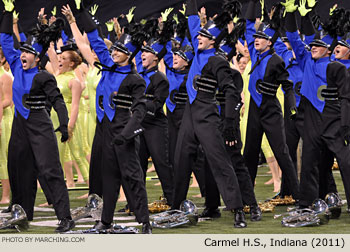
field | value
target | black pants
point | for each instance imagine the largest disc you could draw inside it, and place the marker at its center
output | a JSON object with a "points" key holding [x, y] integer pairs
{"points": [[33, 152], [212, 200], [155, 143], [121, 163], [174, 123], [200, 125], [294, 130], [268, 118], [321, 130], [95, 178]]}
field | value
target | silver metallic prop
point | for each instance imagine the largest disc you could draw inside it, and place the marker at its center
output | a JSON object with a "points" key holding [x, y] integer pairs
{"points": [[115, 229], [188, 214], [318, 215], [92, 209], [17, 221], [334, 203]]}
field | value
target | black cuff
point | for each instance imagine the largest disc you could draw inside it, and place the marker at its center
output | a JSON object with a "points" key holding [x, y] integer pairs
{"points": [[307, 28], [191, 7], [251, 11], [290, 22], [86, 20], [7, 23]]}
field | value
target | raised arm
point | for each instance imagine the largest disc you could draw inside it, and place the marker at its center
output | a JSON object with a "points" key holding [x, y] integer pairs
{"points": [[194, 22], [79, 39], [6, 39], [76, 89]]}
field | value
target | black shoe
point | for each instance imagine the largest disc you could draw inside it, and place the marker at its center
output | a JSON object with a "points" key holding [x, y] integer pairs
{"points": [[7, 210], [255, 213], [210, 213], [65, 225], [124, 210], [239, 219], [100, 226], [146, 228]]}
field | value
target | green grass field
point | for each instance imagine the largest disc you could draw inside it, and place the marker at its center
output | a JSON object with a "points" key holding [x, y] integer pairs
{"points": [[223, 225]]}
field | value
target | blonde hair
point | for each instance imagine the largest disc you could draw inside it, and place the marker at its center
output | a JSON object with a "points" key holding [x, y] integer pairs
{"points": [[75, 58]]}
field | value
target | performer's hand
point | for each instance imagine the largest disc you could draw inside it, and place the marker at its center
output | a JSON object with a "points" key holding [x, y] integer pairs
{"points": [[345, 133], [110, 25], [290, 6], [293, 113], [70, 132], [54, 10], [15, 16], [230, 132], [311, 3], [67, 12], [64, 132], [165, 14], [8, 5], [302, 8], [331, 10], [130, 14], [77, 4], [93, 9], [118, 140]]}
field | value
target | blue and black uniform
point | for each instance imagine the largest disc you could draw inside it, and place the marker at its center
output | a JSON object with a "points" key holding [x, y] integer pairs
{"points": [[32, 137], [155, 140], [326, 92], [175, 104], [120, 108], [201, 120], [265, 114]]}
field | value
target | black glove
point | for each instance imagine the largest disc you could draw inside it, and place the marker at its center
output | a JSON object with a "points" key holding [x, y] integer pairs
{"points": [[345, 134], [293, 113], [230, 130], [64, 132], [118, 140]]}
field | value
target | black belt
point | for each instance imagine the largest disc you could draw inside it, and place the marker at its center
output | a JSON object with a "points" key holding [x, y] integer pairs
{"points": [[266, 88], [149, 97], [123, 101], [177, 97], [330, 94], [100, 102], [34, 102], [205, 84], [297, 88], [220, 98]]}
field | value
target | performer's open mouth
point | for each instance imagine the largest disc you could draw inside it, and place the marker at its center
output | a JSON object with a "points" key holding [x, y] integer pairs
{"points": [[24, 62]]}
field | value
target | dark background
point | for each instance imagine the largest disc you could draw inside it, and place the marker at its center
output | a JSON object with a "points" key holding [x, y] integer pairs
{"points": [[28, 9]]}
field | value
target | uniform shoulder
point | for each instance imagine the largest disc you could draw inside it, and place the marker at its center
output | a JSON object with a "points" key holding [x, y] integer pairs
{"points": [[159, 76], [44, 75]]}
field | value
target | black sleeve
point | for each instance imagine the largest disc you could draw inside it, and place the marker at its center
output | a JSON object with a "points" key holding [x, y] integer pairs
{"points": [[161, 92], [191, 7], [138, 109], [112, 36], [85, 19], [307, 27], [338, 74], [226, 84], [49, 86], [291, 22], [282, 76], [251, 11], [7, 23]]}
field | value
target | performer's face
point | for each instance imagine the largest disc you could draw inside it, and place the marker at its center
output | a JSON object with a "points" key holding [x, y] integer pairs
{"points": [[205, 43], [179, 63], [242, 64], [64, 63], [120, 58], [262, 45], [318, 52], [28, 60], [341, 52], [149, 60]]}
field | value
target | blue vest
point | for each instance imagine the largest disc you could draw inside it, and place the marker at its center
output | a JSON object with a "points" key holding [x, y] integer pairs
{"points": [[257, 74]]}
